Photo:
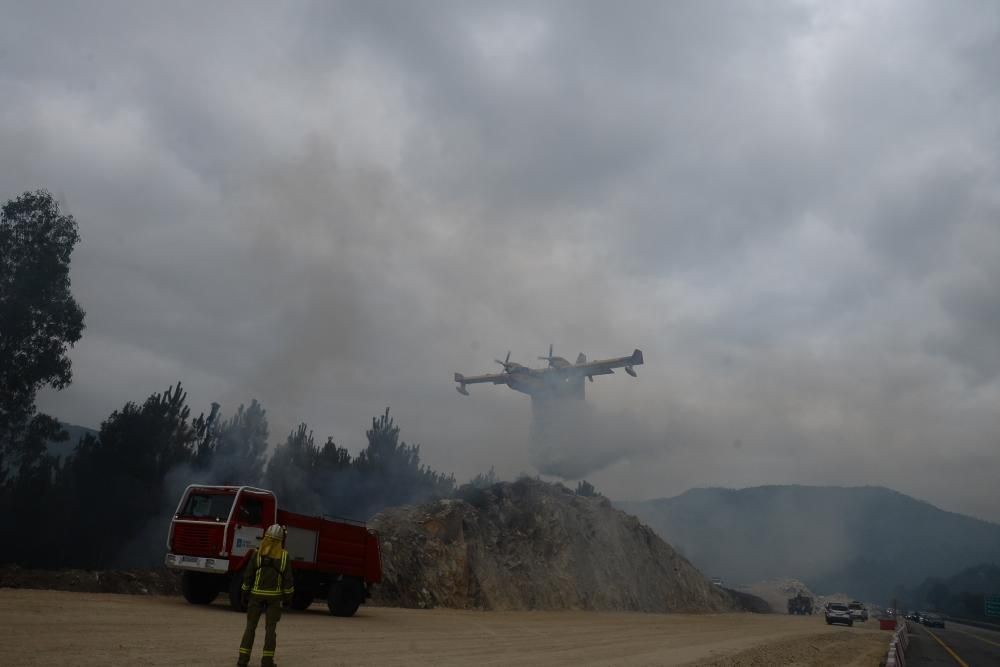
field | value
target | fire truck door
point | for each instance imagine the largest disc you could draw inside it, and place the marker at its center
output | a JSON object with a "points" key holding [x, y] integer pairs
{"points": [[251, 517]]}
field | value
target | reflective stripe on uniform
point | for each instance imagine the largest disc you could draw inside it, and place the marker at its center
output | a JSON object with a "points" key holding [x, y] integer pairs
{"points": [[244, 650], [268, 654], [277, 590], [284, 564], [256, 581]]}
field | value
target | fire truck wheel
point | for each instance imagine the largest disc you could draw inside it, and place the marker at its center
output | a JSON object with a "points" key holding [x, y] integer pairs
{"points": [[236, 591], [199, 587], [345, 597]]}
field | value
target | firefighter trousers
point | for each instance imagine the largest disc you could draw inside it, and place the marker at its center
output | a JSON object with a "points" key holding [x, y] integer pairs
{"points": [[270, 608]]}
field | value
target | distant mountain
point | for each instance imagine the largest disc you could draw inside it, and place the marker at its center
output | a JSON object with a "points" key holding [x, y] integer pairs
{"points": [[76, 433], [863, 540]]}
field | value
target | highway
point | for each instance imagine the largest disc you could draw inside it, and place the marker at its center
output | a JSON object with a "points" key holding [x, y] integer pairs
{"points": [[956, 644]]}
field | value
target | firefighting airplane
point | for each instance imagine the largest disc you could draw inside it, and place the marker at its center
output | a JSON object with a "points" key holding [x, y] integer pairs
{"points": [[560, 380]]}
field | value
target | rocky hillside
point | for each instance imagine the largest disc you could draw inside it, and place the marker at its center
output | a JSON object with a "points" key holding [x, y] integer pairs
{"points": [[531, 545], [863, 540]]}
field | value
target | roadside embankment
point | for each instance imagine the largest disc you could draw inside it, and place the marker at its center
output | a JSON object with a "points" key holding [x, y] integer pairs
{"points": [[532, 545], [158, 581]]}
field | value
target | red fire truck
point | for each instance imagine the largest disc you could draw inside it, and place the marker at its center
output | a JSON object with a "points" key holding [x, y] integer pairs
{"points": [[216, 527]]}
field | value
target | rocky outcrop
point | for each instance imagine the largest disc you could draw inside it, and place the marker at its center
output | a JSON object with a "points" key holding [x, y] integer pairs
{"points": [[532, 545]]}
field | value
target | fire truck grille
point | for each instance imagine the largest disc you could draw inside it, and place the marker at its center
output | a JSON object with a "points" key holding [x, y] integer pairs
{"points": [[192, 540]]}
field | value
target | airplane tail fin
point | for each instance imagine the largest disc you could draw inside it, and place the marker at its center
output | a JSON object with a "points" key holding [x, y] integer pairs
{"points": [[581, 358], [637, 358]]}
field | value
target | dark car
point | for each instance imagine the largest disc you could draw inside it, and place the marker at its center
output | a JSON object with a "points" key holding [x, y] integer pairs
{"points": [[837, 612], [932, 620]]}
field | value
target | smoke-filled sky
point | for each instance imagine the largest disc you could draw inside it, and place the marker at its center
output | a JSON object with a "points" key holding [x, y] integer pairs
{"points": [[792, 208]]}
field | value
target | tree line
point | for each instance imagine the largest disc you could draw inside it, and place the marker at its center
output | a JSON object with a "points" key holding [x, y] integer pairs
{"points": [[108, 503], [961, 595]]}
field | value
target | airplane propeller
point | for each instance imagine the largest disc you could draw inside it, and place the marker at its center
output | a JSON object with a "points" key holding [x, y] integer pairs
{"points": [[505, 363], [548, 358]]}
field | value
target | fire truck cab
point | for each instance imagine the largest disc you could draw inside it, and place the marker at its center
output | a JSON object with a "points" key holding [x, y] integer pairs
{"points": [[215, 529]]}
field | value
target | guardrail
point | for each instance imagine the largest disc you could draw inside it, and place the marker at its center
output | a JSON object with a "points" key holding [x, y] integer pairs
{"points": [[897, 644]]}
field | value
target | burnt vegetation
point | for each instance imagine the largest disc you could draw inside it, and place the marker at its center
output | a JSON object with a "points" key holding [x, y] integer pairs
{"points": [[107, 501]]}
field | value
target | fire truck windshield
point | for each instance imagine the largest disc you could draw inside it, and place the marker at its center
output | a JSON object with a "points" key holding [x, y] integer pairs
{"points": [[208, 506]]}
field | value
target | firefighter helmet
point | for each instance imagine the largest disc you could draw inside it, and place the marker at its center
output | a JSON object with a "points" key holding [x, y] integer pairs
{"points": [[276, 531]]}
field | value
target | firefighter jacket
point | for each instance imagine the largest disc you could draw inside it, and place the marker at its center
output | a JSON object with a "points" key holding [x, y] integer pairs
{"points": [[268, 577]]}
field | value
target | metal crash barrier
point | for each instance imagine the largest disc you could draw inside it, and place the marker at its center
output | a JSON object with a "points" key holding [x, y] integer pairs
{"points": [[897, 645]]}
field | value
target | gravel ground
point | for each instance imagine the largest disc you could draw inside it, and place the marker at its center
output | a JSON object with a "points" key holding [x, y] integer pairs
{"points": [[61, 628]]}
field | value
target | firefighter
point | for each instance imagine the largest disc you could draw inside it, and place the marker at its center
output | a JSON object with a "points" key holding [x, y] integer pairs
{"points": [[267, 583]]}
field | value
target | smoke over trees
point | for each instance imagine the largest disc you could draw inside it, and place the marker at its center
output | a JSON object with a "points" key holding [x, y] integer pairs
{"points": [[235, 450], [385, 473], [116, 481], [108, 503]]}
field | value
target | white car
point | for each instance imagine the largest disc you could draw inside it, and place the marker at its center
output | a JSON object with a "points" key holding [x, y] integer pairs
{"points": [[837, 612]]}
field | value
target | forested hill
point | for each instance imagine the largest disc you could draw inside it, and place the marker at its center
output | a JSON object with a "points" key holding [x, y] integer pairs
{"points": [[863, 540], [962, 594]]}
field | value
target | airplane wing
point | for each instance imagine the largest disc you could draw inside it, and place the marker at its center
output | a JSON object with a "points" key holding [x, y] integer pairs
{"points": [[495, 378], [604, 366]]}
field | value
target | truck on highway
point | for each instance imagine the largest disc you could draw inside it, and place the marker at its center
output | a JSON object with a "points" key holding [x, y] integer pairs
{"points": [[216, 528], [800, 604]]}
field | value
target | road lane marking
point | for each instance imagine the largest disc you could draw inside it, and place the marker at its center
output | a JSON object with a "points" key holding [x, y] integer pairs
{"points": [[974, 635], [954, 655]]}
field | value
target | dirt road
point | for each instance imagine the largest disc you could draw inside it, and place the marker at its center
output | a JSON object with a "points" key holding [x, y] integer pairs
{"points": [[58, 628]]}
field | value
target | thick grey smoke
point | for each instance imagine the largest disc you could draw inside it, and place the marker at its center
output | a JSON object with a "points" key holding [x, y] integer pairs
{"points": [[335, 206], [573, 439]]}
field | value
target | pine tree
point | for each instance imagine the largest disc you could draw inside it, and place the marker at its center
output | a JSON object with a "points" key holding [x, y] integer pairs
{"points": [[119, 477]]}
